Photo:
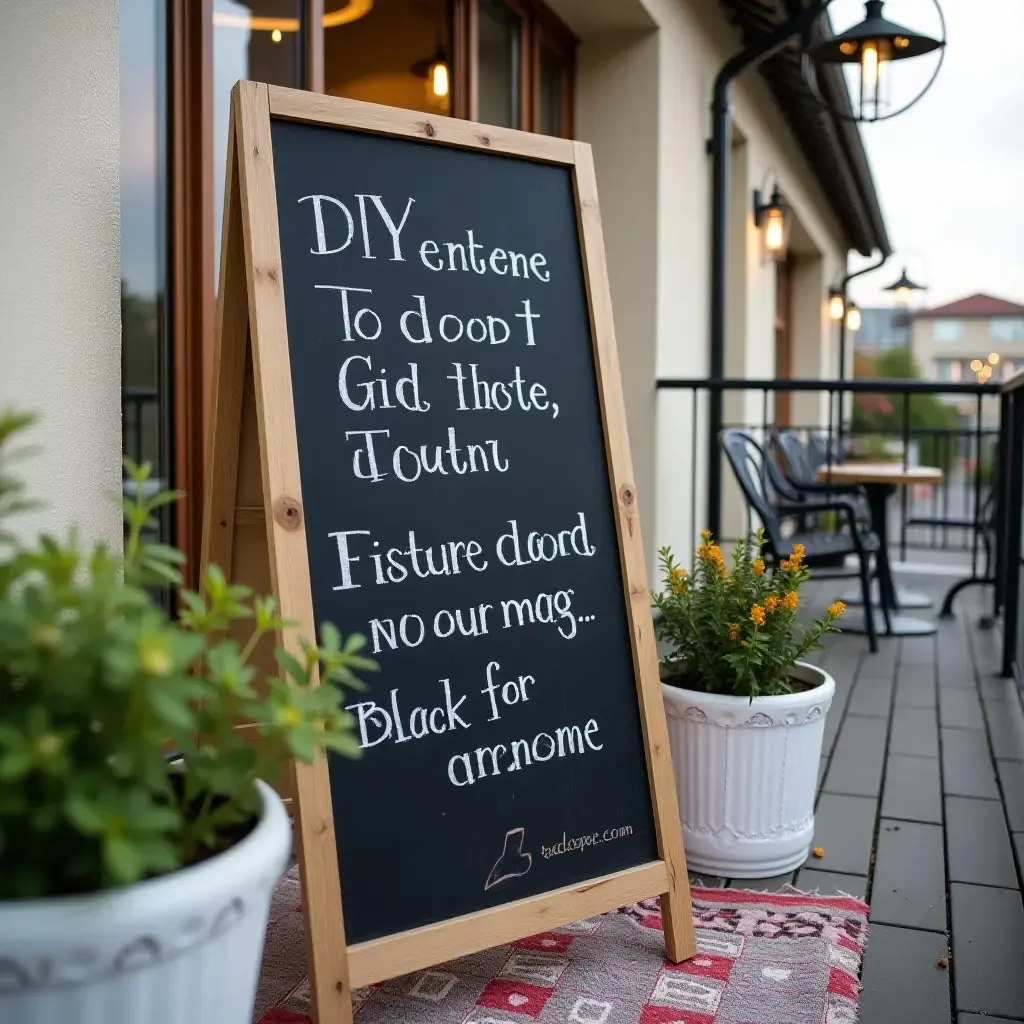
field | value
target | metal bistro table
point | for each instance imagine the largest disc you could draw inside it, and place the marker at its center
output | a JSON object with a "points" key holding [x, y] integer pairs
{"points": [[880, 480]]}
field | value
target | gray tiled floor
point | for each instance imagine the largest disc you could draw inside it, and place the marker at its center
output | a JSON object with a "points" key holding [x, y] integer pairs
{"points": [[921, 813]]}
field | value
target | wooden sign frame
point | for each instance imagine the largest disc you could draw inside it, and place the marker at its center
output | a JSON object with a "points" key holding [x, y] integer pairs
{"points": [[254, 530]]}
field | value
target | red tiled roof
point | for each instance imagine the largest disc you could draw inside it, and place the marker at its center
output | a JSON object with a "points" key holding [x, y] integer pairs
{"points": [[976, 305]]}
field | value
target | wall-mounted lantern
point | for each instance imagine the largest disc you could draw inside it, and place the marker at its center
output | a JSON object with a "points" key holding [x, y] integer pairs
{"points": [[854, 321], [773, 218]]}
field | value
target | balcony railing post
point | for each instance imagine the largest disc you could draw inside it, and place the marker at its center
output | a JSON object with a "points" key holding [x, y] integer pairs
{"points": [[1010, 565]]}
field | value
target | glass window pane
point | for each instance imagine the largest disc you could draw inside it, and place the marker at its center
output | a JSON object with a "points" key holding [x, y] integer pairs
{"points": [[145, 358], [947, 330], [552, 91], [499, 37], [396, 52], [261, 41]]}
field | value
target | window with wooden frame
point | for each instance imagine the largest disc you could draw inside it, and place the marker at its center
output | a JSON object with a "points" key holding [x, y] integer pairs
{"points": [[504, 62]]}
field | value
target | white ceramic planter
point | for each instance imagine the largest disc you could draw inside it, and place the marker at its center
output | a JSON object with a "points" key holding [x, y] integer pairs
{"points": [[182, 949], [746, 775]]}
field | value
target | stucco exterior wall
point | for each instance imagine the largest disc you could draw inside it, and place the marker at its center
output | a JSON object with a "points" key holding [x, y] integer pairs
{"points": [[60, 326], [640, 59]]}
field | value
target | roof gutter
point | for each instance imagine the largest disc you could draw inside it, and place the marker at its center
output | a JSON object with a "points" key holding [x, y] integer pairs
{"points": [[721, 167]]}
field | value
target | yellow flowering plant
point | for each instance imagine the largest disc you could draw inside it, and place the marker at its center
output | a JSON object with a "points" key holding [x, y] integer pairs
{"points": [[120, 759], [734, 629]]}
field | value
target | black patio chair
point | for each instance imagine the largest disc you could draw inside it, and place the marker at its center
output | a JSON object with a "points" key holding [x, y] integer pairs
{"points": [[766, 491], [800, 467]]}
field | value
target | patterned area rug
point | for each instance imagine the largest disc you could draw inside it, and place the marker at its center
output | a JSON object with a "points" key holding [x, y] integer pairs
{"points": [[762, 958]]}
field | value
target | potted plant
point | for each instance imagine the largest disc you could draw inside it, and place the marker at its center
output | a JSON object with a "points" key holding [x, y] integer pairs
{"points": [[746, 715], [139, 844]]}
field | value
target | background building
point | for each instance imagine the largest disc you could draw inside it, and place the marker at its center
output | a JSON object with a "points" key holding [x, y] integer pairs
{"points": [[958, 340]]}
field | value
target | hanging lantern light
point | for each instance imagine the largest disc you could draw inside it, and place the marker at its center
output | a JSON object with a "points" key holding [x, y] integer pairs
{"points": [[773, 218], [836, 305], [436, 69], [903, 287], [853, 318], [873, 44]]}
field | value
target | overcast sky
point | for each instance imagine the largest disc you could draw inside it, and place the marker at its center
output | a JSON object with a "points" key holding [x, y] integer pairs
{"points": [[950, 172]]}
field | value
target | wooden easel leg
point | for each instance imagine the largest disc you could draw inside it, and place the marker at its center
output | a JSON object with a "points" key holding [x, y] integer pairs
{"points": [[229, 380], [253, 195]]}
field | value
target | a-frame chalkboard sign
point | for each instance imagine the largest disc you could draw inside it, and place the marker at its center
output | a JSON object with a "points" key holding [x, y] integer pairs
{"points": [[418, 434]]}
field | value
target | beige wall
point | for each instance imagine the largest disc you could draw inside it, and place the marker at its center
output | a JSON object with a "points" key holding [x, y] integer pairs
{"points": [[647, 68], [60, 332]]}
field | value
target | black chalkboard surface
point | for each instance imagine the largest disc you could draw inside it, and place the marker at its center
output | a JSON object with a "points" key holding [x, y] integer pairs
{"points": [[458, 513]]}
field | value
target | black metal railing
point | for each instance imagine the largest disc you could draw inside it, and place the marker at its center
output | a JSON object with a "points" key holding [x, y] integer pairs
{"points": [[1011, 509], [974, 514]]}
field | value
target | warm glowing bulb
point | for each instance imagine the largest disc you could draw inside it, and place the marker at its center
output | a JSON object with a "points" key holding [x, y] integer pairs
{"points": [[836, 308], [275, 36], [993, 358], [903, 296], [848, 48], [901, 42], [439, 79], [869, 65], [774, 230], [976, 365], [853, 319]]}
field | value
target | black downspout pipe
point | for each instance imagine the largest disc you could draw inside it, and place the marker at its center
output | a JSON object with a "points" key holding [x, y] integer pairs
{"points": [[882, 257], [721, 165]]}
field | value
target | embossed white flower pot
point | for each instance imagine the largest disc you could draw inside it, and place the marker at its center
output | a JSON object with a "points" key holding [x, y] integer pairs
{"points": [[746, 775], [182, 949]]}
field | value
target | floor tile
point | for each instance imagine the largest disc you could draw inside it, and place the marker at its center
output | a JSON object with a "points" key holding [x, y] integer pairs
{"points": [[843, 828], [914, 732], [830, 883], [988, 947], [1006, 727], [960, 709], [903, 983], [917, 650], [1011, 778], [872, 696], [909, 883], [977, 1018], [857, 760], [912, 789], [915, 686], [967, 765], [978, 843]]}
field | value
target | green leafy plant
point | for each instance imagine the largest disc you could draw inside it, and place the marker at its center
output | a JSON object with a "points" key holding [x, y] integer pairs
{"points": [[119, 756], [734, 630]]}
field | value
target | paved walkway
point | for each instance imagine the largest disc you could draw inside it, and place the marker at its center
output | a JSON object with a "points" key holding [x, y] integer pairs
{"points": [[921, 812]]}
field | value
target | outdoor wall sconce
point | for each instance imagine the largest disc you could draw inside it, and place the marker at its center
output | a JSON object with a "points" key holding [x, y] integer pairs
{"points": [[873, 44], [853, 318], [773, 218], [903, 287], [435, 70], [836, 305]]}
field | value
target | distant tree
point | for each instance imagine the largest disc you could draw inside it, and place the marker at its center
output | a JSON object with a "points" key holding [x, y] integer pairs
{"points": [[882, 413]]}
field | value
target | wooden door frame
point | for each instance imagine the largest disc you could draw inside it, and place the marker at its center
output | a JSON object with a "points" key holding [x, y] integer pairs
{"points": [[190, 34], [783, 326]]}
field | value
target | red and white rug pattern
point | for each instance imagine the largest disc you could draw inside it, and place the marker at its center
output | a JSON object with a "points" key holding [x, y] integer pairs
{"points": [[762, 958]]}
